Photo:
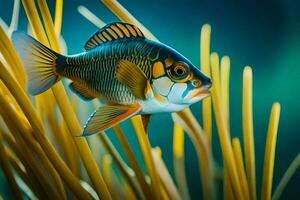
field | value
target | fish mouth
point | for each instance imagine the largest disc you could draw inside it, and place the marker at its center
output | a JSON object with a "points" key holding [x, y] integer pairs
{"points": [[202, 93], [198, 95]]}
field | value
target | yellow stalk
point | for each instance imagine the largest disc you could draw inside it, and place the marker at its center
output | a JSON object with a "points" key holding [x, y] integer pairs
{"points": [[20, 170], [27, 108], [236, 145], [205, 68], [270, 153], [90, 16], [15, 17], [164, 175], [146, 150], [58, 17], [12, 58], [58, 134], [71, 150], [286, 177], [224, 89], [7, 169], [248, 132], [107, 173], [30, 167], [61, 96], [42, 179], [133, 162], [215, 65], [164, 194], [226, 147], [178, 157], [49, 27], [9, 115], [125, 170], [129, 194], [125, 16], [189, 123], [227, 186], [225, 73]]}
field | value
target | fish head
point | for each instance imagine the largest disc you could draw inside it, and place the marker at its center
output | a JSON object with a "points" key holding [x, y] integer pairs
{"points": [[179, 81]]}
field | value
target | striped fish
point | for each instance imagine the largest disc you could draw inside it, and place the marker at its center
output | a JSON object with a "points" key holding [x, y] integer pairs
{"points": [[130, 73]]}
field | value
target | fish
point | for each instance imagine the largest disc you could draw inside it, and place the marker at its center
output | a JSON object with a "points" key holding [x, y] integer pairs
{"points": [[130, 73]]}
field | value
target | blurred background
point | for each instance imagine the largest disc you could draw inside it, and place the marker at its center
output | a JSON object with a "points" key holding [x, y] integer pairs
{"points": [[262, 34]]}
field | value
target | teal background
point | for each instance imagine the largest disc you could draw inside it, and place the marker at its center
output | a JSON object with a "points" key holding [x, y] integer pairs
{"points": [[262, 34]]}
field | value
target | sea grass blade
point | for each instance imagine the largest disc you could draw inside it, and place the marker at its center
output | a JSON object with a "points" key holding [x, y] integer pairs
{"points": [[294, 166], [236, 146], [146, 151], [127, 172], [164, 175], [58, 17], [178, 160], [9, 115], [223, 132], [268, 170], [7, 169], [133, 162], [38, 188], [248, 134], [189, 123], [205, 68], [31, 115], [91, 17], [12, 58], [224, 84]]}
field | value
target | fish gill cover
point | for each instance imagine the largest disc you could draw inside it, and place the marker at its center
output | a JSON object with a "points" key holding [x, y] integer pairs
{"points": [[42, 158]]}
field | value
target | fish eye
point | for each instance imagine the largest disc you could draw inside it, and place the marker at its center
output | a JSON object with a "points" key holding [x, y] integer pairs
{"points": [[179, 72]]}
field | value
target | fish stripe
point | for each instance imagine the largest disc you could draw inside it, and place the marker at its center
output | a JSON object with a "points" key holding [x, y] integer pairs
{"points": [[112, 33], [124, 29], [132, 31], [101, 37], [105, 34], [139, 32], [98, 40], [118, 31]]}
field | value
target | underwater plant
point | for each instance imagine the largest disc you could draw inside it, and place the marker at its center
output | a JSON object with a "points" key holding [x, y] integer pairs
{"points": [[42, 157]]}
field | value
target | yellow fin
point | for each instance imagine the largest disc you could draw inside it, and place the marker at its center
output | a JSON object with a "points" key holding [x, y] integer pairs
{"points": [[111, 32], [108, 116], [134, 78], [82, 91]]}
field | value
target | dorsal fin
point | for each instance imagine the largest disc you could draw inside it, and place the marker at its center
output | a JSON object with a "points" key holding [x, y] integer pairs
{"points": [[111, 32]]}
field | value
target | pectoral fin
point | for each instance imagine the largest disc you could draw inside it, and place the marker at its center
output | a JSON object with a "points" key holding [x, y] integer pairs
{"points": [[107, 116], [134, 78]]}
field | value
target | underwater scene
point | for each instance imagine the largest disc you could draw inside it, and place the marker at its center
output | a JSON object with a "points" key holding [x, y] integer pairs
{"points": [[153, 99]]}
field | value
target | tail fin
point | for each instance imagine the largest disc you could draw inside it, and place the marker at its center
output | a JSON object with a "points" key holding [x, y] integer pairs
{"points": [[39, 61]]}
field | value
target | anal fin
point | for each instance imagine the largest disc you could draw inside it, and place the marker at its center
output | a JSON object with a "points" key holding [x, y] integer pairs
{"points": [[107, 116], [82, 91]]}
